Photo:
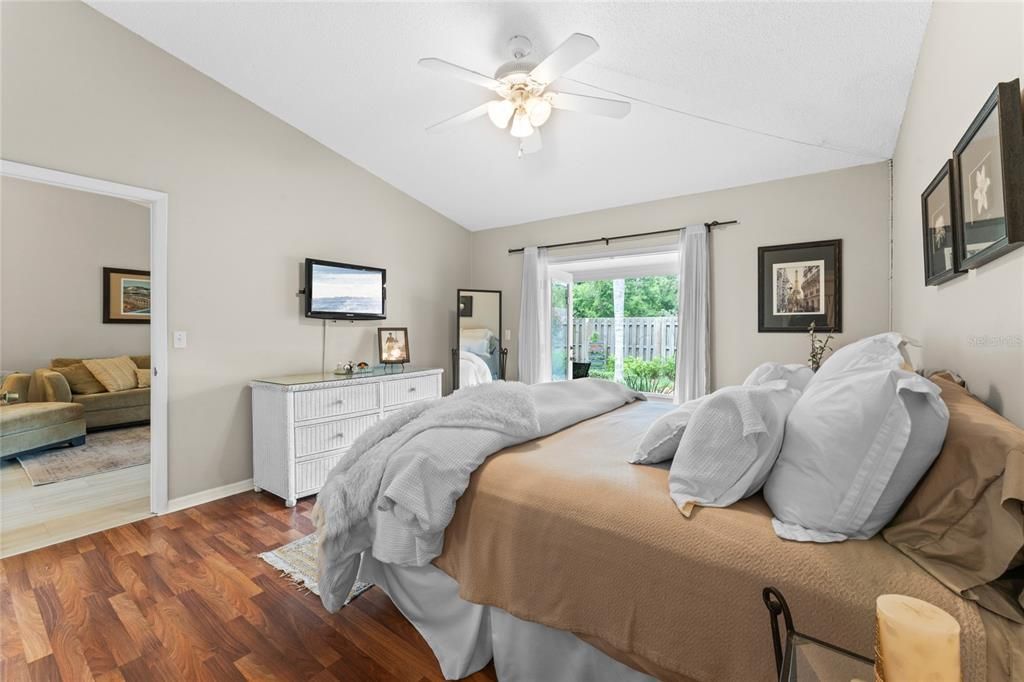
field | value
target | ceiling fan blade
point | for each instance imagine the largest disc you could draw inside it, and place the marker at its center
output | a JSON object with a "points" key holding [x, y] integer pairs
{"points": [[574, 50], [531, 143], [458, 119], [615, 108], [449, 69]]}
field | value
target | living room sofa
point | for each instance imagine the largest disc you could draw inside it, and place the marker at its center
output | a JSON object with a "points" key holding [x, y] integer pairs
{"points": [[102, 410], [35, 420]]}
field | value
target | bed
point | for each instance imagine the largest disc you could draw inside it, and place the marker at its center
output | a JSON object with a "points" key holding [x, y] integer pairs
{"points": [[562, 561]]}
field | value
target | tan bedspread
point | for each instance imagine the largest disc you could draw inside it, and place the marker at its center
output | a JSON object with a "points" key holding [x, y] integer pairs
{"points": [[562, 531]]}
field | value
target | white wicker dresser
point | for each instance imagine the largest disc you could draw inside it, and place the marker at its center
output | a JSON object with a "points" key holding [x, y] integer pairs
{"points": [[303, 424]]}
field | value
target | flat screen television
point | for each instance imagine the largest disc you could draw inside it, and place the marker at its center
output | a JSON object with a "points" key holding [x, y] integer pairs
{"points": [[339, 291]]}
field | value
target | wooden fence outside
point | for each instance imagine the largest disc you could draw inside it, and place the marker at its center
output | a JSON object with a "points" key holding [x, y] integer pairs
{"points": [[643, 337]]}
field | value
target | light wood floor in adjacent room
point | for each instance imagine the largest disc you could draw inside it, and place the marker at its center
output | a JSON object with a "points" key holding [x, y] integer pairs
{"points": [[185, 597], [36, 516]]}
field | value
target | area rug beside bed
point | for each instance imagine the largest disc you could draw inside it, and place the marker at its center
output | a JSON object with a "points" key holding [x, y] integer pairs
{"points": [[297, 560], [103, 451]]}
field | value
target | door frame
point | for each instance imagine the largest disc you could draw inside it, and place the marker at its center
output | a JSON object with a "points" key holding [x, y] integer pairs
{"points": [[157, 203], [563, 277]]}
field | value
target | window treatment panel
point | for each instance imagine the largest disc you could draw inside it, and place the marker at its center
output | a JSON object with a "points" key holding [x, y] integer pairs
{"points": [[693, 359], [535, 318]]}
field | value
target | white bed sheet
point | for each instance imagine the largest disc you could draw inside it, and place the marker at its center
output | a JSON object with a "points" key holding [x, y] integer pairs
{"points": [[465, 636]]}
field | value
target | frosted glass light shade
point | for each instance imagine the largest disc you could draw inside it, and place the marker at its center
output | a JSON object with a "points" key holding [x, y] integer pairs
{"points": [[521, 125], [539, 110], [500, 111]]}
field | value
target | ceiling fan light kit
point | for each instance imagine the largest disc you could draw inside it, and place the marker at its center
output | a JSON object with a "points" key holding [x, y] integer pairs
{"points": [[522, 88]]}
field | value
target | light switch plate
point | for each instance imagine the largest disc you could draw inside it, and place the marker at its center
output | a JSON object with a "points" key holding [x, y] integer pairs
{"points": [[180, 339], [508, 334]]}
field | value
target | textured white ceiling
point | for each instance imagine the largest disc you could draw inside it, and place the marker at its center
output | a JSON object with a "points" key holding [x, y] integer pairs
{"points": [[824, 74]]}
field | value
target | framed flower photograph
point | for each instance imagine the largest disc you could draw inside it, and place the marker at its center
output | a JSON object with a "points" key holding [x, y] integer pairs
{"points": [[988, 172], [938, 202], [126, 297], [393, 345], [798, 284]]}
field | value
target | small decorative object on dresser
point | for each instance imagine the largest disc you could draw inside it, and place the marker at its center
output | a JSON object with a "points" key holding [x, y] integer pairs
{"points": [[988, 171], [938, 204], [302, 425], [798, 284], [393, 344]]}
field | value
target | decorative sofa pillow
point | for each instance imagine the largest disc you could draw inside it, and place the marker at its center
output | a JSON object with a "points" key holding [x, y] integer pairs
{"points": [[116, 374], [145, 377], [964, 523], [729, 448], [858, 440], [80, 379], [662, 438]]}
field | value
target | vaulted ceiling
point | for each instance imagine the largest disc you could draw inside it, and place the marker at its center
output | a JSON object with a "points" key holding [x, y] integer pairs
{"points": [[724, 94]]}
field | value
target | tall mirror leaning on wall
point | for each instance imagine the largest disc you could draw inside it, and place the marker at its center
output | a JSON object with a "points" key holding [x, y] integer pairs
{"points": [[479, 357]]}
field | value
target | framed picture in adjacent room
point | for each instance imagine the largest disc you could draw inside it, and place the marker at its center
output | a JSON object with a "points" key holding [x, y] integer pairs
{"points": [[938, 213], [393, 344], [126, 297], [988, 173], [798, 284]]}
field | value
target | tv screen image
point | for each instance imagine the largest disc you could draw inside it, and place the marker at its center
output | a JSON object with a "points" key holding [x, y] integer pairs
{"points": [[342, 291]]}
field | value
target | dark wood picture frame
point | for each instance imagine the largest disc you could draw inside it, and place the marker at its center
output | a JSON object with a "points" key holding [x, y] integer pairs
{"points": [[944, 174], [828, 250], [1006, 100], [109, 318], [465, 305], [380, 345]]}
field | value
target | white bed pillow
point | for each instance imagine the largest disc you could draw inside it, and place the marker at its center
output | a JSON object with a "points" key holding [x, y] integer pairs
{"points": [[662, 437], [798, 376], [728, 450], [476, 341], [857, 442]]}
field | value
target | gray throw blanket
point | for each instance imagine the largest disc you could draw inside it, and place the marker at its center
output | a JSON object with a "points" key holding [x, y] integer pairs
{"points": [[396, 489]]}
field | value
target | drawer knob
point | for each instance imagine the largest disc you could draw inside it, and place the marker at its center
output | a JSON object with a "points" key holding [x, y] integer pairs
{"points": [[412, 389], [340, 435], [341, 402]]}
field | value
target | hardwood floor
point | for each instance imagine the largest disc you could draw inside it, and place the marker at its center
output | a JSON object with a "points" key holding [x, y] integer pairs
{"points": [[36, 516], [184, 597]]}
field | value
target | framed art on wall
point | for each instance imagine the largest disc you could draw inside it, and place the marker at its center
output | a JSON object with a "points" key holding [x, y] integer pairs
{"points": [[393, 345], [988, 172], [126, 298], [798, 284], [938, 204]]}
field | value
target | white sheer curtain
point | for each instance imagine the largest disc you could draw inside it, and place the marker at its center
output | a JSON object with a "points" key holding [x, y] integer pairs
{"points": [[535, 318], [692, 351]]}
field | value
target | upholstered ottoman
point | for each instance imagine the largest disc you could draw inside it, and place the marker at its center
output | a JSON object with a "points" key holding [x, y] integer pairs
{"points": [[31, 427]]}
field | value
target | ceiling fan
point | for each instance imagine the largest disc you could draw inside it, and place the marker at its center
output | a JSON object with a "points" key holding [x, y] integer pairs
{"points": [[521, 87]]}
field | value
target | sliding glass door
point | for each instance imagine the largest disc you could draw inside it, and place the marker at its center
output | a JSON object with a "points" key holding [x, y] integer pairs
{"points": [[561, 325]]}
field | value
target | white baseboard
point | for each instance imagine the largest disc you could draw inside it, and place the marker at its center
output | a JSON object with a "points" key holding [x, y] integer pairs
{"points": [[186, 501]]}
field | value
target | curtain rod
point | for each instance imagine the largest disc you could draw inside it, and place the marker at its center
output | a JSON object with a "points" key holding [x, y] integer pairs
{"points": [[607, 240]]}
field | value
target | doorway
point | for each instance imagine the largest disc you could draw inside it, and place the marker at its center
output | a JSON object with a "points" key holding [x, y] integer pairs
{"points": [[105, 484]]}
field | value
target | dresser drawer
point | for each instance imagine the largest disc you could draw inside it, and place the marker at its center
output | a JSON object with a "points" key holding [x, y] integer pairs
{"points": [[330, 402], [314, 439], [311, 475], [402, 391]]}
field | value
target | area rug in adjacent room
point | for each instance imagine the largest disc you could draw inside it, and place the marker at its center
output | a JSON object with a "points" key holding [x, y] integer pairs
{"points": [[103, 451], [297, 560]]}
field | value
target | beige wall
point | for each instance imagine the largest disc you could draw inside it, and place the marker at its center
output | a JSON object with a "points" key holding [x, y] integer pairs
{"points": [[851, 204], [250, 197], [975, 323], [54, 243]]}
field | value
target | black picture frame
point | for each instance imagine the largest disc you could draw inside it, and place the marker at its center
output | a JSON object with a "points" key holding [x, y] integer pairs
{"points": [[386, 359], [111, 317], [465, 306], [821, 259], [940, 190], [1004, 233]]}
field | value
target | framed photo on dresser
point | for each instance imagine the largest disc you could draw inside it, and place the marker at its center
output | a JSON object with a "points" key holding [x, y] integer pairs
{"points": [[988, 172], [938, 213], [798, 284]]}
